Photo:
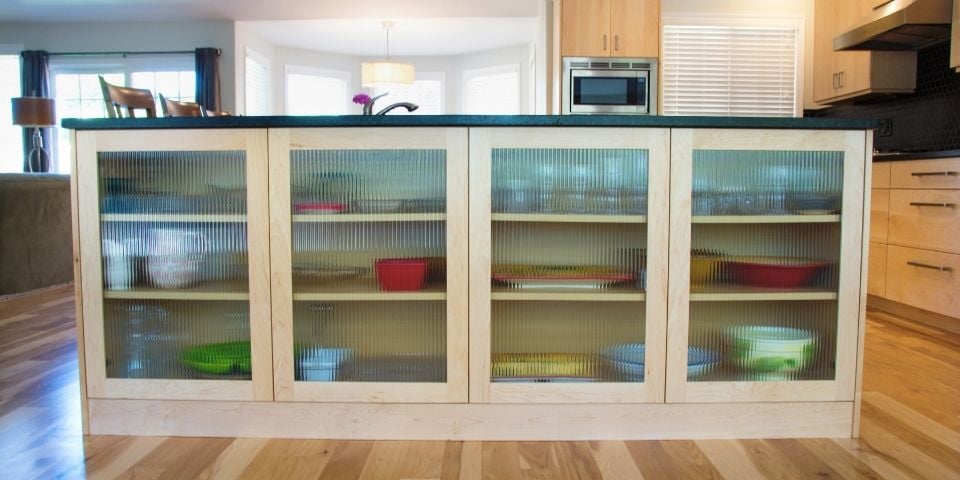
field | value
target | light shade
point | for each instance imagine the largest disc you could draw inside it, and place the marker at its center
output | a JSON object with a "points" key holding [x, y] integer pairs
{"points": [[34, 112], [373, 74]]}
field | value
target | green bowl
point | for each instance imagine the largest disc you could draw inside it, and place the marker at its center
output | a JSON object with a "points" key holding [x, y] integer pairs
{"points": [[218, 358], [772, 353]]}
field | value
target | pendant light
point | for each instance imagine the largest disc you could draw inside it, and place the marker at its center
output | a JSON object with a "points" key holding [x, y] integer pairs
{"points": [[373, 74]]}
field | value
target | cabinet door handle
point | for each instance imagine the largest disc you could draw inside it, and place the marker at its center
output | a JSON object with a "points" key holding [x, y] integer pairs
{"points": [[935, 174], [835, 81], [616, 42], [840, 81], [931, 267], [604, 42], [932, 204]]}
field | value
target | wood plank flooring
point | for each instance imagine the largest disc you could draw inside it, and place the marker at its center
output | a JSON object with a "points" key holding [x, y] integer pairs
{"points": [[911, 427]]}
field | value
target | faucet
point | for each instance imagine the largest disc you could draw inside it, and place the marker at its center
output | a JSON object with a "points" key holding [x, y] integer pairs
{"points": [[409, 106], [368, 107]]}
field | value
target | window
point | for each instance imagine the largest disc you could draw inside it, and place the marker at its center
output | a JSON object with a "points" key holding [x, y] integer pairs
{"points": [[257, 84], [426, 92], [730, 70], [317, 92], [75, 86], [492, 91], [11, 136]]}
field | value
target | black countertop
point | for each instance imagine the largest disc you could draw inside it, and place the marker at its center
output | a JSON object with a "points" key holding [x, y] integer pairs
{"points": [[470, 121], [897, 156]]}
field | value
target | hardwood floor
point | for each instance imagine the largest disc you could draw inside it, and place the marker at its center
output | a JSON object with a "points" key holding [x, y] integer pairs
{"points": [[910, 427]]}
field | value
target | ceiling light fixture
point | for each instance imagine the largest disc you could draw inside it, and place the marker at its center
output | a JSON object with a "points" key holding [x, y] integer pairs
{"points": [[373, 74]]}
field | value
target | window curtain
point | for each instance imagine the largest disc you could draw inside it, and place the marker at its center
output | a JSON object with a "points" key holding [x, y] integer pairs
{"points": [[35, 82], [208, 78]]}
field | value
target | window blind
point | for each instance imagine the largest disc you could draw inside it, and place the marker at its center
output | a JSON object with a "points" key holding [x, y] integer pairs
{"points": [[729, 71], [257, 88], [492, 91]]}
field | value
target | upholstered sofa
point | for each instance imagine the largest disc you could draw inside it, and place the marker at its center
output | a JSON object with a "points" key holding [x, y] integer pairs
{"points": [[35, 243]]}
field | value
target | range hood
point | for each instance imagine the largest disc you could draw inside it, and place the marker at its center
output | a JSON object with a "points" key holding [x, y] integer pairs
{"points": [[899, 25]]}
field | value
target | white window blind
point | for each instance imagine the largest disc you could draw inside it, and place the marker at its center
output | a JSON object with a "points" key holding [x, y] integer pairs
{"points": [[257, 85], [492, 91], [426, 92], [317, 92], [729, 71]]}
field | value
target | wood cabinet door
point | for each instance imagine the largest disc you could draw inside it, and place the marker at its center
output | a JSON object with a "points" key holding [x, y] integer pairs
{"points": [[585, 28], [853, 67], [955, 37], [635, 28], [824, 76]]}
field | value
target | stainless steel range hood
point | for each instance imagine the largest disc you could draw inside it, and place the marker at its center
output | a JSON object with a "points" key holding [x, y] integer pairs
{"points": [[899, 25]]}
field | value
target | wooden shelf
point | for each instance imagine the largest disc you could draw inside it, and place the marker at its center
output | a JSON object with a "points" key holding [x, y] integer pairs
{"points": [[566, 218], [612, 294], [369, 217], [171, 217], [220, 291], [766, 219], [741, 293], [364, 289]]}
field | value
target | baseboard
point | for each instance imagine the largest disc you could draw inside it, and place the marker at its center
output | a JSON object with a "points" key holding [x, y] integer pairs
{"points": [[470, 421], [914, 314]]}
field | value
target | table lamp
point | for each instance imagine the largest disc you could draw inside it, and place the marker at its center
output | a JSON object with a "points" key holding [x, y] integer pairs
{"points": [[36, 112]]}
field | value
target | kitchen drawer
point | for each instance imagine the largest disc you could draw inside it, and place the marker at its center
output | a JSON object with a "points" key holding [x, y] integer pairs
{"points": [[881, 175], [934, 286], [939, 174], [879, 211], [877, 269], [934, 226]]}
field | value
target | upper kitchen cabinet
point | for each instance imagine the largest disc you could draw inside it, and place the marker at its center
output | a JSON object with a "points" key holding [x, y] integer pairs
{"points": [[847, 75], [610, 28], [955, 37]]}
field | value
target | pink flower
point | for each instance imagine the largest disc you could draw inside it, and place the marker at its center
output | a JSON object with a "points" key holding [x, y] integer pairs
{"points": [[361, 99]]}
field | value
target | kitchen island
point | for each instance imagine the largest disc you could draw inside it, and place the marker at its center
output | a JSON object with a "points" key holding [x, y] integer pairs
{"points": [[471, 277]]}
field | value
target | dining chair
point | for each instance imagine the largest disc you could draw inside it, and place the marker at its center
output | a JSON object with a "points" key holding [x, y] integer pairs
{"points": [[118, 98], [174, 108]]}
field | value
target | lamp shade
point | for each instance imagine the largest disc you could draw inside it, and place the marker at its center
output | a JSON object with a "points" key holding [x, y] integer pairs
{"points": [[373, 74], [34, 112]]}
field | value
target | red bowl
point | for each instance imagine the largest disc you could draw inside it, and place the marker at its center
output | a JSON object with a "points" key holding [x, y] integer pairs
{"points": [[791, 274], [401, 274]]}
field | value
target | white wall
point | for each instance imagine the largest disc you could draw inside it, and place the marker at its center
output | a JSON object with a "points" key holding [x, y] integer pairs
{"points": [[132, 37]]}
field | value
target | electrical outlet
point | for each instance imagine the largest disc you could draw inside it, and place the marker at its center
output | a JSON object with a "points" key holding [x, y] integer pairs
{"points": [[886, 127]]}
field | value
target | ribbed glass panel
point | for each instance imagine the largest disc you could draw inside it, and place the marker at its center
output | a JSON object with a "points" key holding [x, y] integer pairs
{"points": [[151, 182], [763, 295], [177, 339], [581, 181], [755, 182], [382, 341], [342, 256], [762, 341], [544, 341], [604, 255], [368, 181]]}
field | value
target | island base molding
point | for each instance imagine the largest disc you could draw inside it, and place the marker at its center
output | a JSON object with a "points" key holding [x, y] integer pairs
{"points": [[470, 421]]}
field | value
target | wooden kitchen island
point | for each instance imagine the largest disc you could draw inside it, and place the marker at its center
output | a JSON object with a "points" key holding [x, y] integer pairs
{"points": [[471, 277]]}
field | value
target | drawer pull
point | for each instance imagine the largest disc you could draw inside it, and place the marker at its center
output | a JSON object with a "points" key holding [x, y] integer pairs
{"points": [[935, 174], [930, 204], [931, 267]]}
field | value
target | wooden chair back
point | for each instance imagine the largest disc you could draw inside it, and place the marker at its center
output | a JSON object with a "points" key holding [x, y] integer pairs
{"points": [[174, 108], [119, 98]]}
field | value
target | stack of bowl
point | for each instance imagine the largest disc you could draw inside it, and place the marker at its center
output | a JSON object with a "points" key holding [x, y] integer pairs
{"points": [[770, 352]]}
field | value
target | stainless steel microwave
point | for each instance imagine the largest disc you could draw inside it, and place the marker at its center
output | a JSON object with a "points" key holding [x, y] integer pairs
{"points": [[609, 86]]}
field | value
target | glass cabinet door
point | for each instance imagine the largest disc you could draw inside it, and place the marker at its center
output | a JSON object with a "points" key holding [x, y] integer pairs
{"points": [[767, 230], [568, 285], [173, 254], [370, 296]]}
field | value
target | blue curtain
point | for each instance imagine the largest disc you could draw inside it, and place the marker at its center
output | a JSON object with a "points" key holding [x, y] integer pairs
{"points": [[35, 82], [208, 77]]}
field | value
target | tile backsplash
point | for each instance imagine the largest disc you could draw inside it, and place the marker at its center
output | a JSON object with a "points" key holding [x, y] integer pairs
{"points": [[928, 120]]}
